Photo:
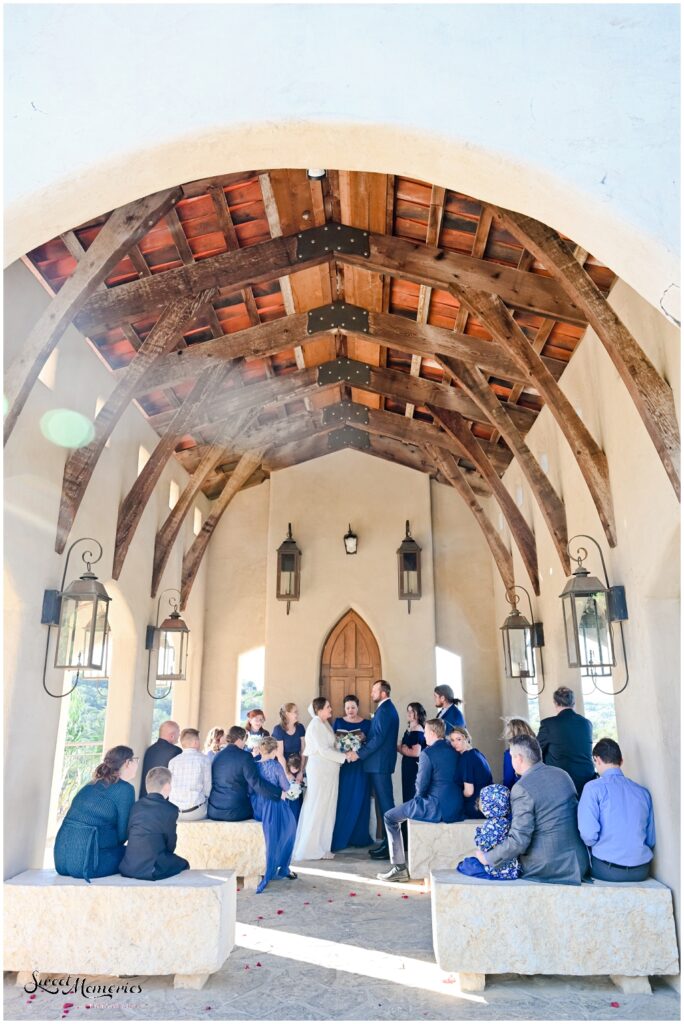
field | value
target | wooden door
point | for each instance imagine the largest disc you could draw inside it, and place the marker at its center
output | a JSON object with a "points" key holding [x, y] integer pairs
{"points": [[350, 663]]}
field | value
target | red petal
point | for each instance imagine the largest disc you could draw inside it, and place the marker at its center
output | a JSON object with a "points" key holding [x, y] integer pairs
{"points": [[259, 918], [257, 964], [67, 1006], [280, 911], [615, 1005], [246, 967], [404, 896], [352, 894], [306, 903]]}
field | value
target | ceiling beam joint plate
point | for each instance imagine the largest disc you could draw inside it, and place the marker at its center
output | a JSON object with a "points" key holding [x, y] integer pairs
{"points": [[343, 370], [345, 412], [347, 437], [332, 238], [341, 315]]}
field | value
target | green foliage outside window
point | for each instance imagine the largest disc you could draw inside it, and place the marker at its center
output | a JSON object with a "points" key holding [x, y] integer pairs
{"points": [[251, 696]]}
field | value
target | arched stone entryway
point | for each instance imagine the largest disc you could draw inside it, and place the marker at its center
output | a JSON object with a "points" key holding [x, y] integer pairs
{"points": [[350, 663]]}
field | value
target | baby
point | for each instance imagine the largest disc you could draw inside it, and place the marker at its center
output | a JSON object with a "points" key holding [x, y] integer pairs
{"points": [[495, 804]]}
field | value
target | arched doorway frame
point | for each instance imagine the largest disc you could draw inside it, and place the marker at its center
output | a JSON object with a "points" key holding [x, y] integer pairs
{"points": [[375, 669]]}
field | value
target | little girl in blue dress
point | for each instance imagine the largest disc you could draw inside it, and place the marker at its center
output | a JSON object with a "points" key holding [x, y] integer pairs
{"points": [[276, 817], [495, 804]]}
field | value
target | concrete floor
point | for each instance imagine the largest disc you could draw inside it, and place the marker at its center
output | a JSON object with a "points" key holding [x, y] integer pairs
{"points": [[338, 945]]}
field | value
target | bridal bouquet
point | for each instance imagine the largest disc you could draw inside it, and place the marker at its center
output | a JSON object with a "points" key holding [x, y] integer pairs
{"points": [[350, 741], [295, 791]]}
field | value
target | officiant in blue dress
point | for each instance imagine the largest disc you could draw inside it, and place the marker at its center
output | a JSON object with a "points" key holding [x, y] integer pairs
{"points": [[353, 798]]}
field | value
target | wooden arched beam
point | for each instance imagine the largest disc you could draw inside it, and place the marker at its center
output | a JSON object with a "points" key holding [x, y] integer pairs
{"points": [[125, 227], [500, 553], [456, 428], [135, 502], [651, 394], [592, 462], [550, 505], [193, 557], [80, 464]]}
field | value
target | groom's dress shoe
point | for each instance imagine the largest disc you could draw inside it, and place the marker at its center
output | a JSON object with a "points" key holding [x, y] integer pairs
{"points": [[382, 853], [382, 845], [397, 873]]}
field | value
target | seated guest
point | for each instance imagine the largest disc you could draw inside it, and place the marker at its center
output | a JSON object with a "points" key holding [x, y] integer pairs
{"points": [[161, 751], [513, 727], [543, 833], [215, 741], [233, 774], [615, 817], [254, 728], [565, 739], [90, 840], [448, 707], [410, 748], [152, 833], [276, 817], [190, 778], [495, 803], [438, 796], [289, 733], [473, 769]]}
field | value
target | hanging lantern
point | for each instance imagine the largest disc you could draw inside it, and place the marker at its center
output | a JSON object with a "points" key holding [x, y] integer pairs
{"points": [[408, 554], [168, 641], [520, 637], [288, 570], [351, 542]]}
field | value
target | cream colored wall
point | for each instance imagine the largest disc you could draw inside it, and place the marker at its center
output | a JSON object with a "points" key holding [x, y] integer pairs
{"points": [[645, 561], [33, 480]]}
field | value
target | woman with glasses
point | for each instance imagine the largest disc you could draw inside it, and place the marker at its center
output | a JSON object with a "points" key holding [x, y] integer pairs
{"points": [[90, 841]]}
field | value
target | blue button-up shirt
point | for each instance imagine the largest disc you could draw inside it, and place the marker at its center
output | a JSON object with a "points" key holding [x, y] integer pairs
{"points": [[615, 818]]}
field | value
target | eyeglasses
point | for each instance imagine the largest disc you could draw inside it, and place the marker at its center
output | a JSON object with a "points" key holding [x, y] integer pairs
{"points": [[133, 760]]}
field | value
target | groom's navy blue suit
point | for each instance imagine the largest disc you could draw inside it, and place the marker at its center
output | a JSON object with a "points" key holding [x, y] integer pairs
{"points": [[379, 754]]}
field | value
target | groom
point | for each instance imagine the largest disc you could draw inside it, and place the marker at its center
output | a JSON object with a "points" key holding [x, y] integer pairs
{"points": [[379, 756]]}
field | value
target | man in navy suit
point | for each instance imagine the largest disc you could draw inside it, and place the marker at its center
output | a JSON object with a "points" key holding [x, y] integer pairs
{"points": [[233, 774], [447, 708], [379, 755], [438, 796]]}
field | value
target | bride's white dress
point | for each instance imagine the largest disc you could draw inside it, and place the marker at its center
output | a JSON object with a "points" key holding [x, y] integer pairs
{"points": [[317, 818]]}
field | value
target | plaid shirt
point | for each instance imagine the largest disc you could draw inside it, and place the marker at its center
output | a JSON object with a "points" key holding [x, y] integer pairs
{"points": [[190, 779]]}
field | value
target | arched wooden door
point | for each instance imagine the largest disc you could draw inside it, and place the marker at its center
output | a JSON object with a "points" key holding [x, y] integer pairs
{"points": [[350, 663]]}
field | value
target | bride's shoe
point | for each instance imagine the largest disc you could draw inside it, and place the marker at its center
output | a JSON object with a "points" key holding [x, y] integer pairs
{"points": [[328, 856]]}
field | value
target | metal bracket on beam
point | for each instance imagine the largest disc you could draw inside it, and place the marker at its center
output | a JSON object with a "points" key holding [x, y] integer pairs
{"points": [[344, 371], [332, 238], [338, 314], [348, 437], [345, 412]]}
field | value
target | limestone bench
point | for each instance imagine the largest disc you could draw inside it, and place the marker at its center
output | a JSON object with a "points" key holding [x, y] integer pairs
{"points": [[623, 930], [438, 847], [117, 926], [238, 845]]}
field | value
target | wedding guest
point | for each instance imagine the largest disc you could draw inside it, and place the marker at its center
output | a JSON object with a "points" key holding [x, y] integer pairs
{"points": [[161, 751], [276, 817], [324, 759], [565, 739], [295, 773], [353, 797], [410, 748], [90, 840], [254, 728], [233, 774], [448, 706], [473, 768], [513, 727], [438, 796], [152, 833], [379, 757], [615, 817], [214, 742], [289, 732], [495, 803], [190, 778]]}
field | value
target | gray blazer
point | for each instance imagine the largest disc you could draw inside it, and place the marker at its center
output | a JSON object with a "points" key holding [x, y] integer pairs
{"points": [[543, 833]]}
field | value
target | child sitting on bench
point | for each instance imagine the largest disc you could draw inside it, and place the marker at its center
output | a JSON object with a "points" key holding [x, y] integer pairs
{"points": [[495, 804], [152, 833]]}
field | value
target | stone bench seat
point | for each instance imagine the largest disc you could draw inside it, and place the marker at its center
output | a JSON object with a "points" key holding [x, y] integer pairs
{"points": [[235, 845], [438, 847], [624, 930], [118, 926]]}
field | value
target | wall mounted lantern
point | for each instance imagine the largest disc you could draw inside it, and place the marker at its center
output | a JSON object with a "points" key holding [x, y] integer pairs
{"points": [[289, 570], [80, 613], [351, 542], [589, 609], [521, 637], [408, 554], [169, 641]]}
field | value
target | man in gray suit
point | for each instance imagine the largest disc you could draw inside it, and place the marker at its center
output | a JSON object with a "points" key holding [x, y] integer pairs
{"points": [[543, 833]]}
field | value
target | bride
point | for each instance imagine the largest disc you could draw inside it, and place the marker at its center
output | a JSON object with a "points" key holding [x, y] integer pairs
{"points": [[317, 819]]}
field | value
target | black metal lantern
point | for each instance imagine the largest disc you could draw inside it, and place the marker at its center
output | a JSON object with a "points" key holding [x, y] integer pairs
{"points": [[520, 638], [589, 609], [289, 570], [408, 555], [351, 542], [80, 612], [169, 642]]}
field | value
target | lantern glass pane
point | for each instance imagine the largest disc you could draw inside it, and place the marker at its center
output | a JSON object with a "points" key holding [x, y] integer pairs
{"points": [[171, 658], [409, 573], [593, 633], [75, 633], [99, 646], [522, 664], [570, 637]]}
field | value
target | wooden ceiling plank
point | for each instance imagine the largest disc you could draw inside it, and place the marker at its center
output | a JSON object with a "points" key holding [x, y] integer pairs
{"points": [[193, 557], [479, 247], [501, 555], [81, 463], [179, 237], [651, 394], [125, 228], [457, 428]]}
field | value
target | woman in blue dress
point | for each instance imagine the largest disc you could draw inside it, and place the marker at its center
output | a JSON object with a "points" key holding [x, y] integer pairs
{"points": [[290, 735], [412, 743], [352, 819], [276, 817], [513, 727], [473, 769], [90, 840]]}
